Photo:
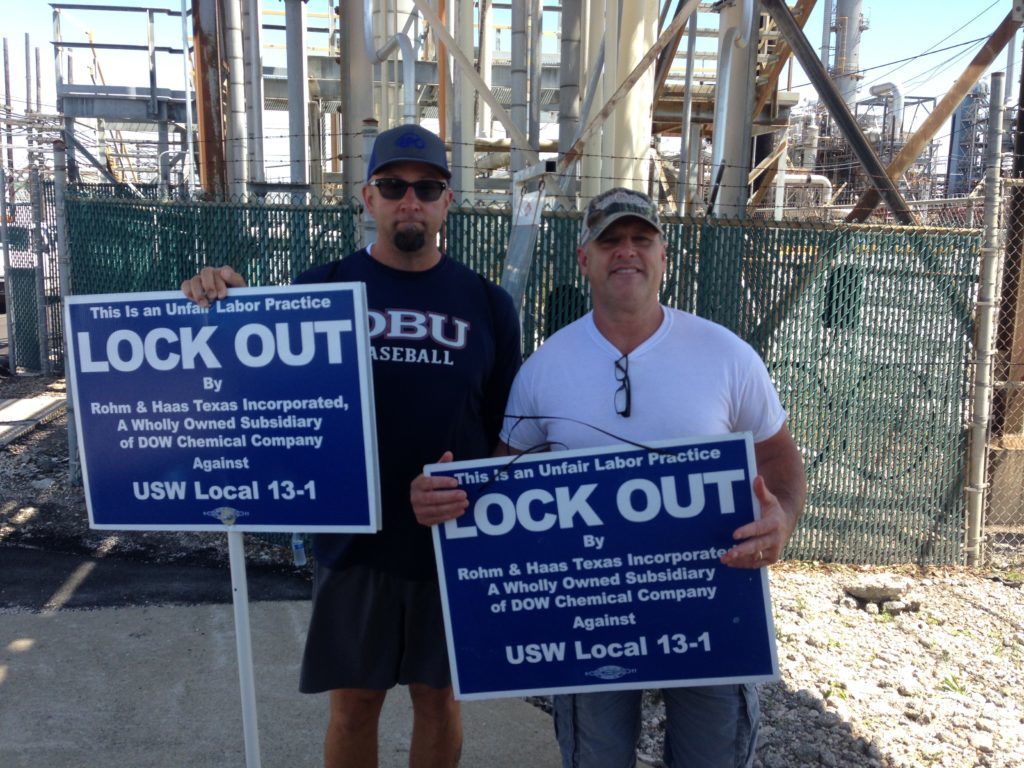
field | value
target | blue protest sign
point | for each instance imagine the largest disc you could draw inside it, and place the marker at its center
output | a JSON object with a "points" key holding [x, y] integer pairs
{"points": [[256, 413], [599, 570]]}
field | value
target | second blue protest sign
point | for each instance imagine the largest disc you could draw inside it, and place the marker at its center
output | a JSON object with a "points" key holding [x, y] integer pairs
{"points": [[599, 570]]}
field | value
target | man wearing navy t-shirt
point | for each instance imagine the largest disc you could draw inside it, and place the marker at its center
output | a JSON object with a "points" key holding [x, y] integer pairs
{"points": [[445, 348]]}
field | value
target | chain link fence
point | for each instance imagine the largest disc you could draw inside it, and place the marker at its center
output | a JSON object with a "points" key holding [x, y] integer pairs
{"points": [[31, 281], [867, 331], [1004, 508]]}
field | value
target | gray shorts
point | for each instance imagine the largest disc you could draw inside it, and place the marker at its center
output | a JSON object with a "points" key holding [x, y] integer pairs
{"points": [[373, 630]]}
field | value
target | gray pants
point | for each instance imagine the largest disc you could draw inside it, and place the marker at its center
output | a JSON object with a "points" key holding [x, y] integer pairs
{"points": [[708, 727]]}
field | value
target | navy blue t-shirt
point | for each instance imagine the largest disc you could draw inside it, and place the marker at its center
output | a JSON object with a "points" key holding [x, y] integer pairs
{"points": [[445, 346]]}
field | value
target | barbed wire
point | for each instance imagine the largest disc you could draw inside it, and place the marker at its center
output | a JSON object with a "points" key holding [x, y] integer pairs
{"points": [[834, 168]]}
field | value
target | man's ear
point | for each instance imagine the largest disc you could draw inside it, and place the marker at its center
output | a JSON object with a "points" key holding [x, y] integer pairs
{"points": [[368, 199], [581, 259]]}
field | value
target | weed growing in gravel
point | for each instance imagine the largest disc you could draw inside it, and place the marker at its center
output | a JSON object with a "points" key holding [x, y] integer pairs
{"points": [[835, 690], [952, 683]]}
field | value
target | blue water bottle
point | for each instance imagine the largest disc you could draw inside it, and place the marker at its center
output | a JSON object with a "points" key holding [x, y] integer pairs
{"points": [[298, 550]]}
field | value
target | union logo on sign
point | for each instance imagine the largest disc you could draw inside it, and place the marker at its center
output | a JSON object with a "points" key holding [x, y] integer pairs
{"points": [[610, 672]]}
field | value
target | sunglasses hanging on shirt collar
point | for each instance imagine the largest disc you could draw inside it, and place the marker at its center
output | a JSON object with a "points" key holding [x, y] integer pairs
{"points": [[623, 396]]}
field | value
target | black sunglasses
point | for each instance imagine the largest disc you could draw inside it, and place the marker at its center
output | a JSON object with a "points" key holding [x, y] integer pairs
{"points": [[623, 398], [427, 190]]}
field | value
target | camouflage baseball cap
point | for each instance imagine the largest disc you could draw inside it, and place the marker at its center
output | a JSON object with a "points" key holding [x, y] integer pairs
{"points": [[615, 204]]}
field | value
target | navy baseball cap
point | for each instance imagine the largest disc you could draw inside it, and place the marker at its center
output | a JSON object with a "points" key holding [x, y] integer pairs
{"points": [[408, 143], [615, 204]]}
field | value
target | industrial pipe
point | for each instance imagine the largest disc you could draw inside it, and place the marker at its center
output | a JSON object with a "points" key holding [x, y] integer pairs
{"points": [[298, 94], [238, 151], [815, 180], [189, 165], [685, 129], [519, 79], [736, 36], [254, 106], [892, 92], [380, 55]]}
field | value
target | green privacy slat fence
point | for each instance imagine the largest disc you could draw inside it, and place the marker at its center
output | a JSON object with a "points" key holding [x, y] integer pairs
{"points": [[129, 246], [22, 294], [866, 331], [31, 241], [54, 318]]}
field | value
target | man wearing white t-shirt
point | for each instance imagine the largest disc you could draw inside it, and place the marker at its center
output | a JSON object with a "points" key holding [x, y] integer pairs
{"points": [[643, 372]]}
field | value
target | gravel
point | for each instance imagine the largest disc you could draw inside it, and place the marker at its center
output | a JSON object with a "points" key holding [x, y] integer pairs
{"points": [[933, 678], [897, 667], [41, 507]]}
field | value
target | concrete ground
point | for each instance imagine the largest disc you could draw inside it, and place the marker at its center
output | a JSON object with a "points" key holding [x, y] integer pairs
{"points": [[103, 665], [158, 686]]}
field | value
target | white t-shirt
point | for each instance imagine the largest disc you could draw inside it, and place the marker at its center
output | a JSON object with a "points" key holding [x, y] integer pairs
{"points": [[691, 378]]}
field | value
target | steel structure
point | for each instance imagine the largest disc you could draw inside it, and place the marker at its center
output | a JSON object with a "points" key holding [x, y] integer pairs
{"points": [[625, 81]]}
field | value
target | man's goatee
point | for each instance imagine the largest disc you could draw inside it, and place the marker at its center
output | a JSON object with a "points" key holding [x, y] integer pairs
{"points": [[409, 241]]}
